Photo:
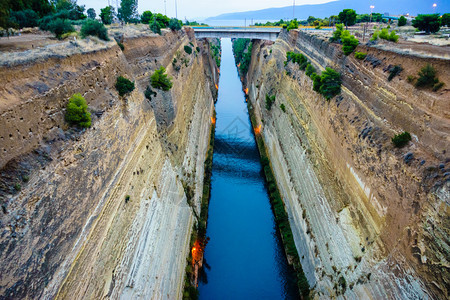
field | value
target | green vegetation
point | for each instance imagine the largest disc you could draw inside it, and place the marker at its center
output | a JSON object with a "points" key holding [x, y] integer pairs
{"points": [[146, 17], [298, 58], [175, 24], [270, 100], [278, 23], [94, 28], [384, 34], [124, 86], [310, 70], [401, 21], [410, 78], [149, 93], [91, 13], [127, 198], [445, 20], [437, 86], [188, 49], [337, 33], [60, 27], [364, 18], [194, 23], [347, 17], [107, 14], [283, 108], [342, 283], [17, 187], [160, 80], [77, 113], [360, 55], [394, 71], [121, 46], [401, 140], [242, 50], [127, 11], [292, 25], [24, 18], [428, 23], [330, 83], [215, 51], [427, 77], [155, 27], [281, 217], [349, 42]]}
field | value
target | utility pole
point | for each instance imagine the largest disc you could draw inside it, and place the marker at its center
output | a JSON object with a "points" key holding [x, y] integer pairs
{"points": [[293, 11], [176, 10], [165, 8]]}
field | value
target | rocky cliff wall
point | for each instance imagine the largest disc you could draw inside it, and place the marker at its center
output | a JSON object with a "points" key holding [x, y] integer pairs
{"points": [[68, 231], [369, 220]]}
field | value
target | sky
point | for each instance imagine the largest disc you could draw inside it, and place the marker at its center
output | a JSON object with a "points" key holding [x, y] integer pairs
{"points": [[200, 9]]}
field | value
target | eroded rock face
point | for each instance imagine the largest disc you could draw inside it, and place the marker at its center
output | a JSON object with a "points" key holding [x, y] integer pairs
{"points": [[68, 231], [357, 209]]}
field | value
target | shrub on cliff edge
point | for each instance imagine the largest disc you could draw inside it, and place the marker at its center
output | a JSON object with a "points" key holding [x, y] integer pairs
{"points": [[94, 28], [76, 112], [124, 85], [401, 140], [159, 80]]}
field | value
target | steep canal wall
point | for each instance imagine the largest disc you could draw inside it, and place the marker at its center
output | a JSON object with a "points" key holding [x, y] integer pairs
{"points": [[102, 213], [369, 220]]}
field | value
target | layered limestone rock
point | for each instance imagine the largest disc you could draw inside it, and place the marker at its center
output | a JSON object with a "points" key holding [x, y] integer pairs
{"points": [[369, 220], [102, 212]]}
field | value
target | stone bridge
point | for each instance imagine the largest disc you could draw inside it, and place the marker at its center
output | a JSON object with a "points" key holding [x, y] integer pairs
{"points": [[270, 34]]}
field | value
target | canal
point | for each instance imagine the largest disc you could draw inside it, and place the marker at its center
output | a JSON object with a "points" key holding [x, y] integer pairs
{"points": [[244, 258]]}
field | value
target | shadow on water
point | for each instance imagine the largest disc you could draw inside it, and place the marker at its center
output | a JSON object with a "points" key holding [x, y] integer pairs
{"points": [[244, 258]]}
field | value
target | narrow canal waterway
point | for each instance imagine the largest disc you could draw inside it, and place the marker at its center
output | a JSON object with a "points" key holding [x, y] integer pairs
{"points": [[244, 258]]}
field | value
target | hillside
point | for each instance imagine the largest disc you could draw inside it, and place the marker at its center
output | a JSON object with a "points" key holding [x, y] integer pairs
{"points": [[412, 7]]}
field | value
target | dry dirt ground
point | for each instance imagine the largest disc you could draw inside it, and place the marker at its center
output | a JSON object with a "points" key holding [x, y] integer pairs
{"points": [[27, 41]]}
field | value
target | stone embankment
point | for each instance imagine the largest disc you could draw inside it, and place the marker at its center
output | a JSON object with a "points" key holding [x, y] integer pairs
{"points": [[369, 220], [102, 212]]}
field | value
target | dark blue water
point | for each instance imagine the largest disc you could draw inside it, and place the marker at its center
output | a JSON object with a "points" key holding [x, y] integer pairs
{"points": [[244, 258]]}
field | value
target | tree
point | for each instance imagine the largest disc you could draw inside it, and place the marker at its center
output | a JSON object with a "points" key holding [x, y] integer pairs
{"points": [[94, 28], [445, 20], [107, 15], [330, 83], [349, 42], [347, 17], [159, 80], [174, 24], [91, 13], [124, 86], [24, 18], [428, 23], [427, 77], [146, 17], [76, 112], [292, 25], [155, 27], [60, 27], [127, 10], [402, 21], [162, 20], [337, 33]]}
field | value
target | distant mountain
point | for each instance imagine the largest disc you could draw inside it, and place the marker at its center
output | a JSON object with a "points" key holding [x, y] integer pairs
{"points": [[302, 12]]}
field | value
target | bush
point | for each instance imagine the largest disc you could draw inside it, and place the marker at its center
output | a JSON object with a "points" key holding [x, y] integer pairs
{"points": [[94, 28], [427, 77], [124, 86], [330, 84], [292, 25], [360, 55], [394, 71], [310, 70], [410, 78], [60, 27], [188, 49], [437, 86], [317, 82], [298, 58], [337, 33], [283, 108], [159, 80], [401, 140], [349, 42], [269, 101], [24, 18], [428, 23], [121, 46], [174, 24], [445, 20], [401, 21], [77, 113], [375, 35], [155, 27], [149, 93], [393, 37]]}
